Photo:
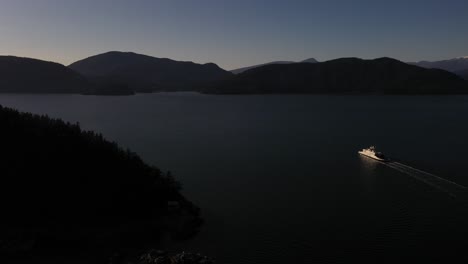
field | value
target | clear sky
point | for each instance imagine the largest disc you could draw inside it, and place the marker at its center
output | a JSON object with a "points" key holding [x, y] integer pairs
{"points": [[235, 33]]}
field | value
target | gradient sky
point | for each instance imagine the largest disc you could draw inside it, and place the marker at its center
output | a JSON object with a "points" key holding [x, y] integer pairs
{"points": [[235, 33]]}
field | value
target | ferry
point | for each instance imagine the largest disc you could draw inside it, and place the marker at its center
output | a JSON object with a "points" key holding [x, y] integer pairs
{"points": [[373, 154]]}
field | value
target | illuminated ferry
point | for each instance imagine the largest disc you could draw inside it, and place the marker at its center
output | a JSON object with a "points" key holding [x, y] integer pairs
{"points": [[373, 154]]}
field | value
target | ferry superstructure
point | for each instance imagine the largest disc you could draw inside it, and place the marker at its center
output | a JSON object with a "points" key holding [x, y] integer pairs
{"points": [[373, 154]]}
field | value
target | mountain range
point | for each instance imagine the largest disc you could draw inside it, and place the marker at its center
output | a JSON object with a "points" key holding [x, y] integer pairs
{"points": [[243, 69], [346, 75], [124, 73], [458, 66]]}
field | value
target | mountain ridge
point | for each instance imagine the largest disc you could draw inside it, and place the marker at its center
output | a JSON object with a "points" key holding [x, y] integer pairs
{"points": [[243, 69], [344, 75], [144, 73], [454, 65], [28, 75], [124, 73]]}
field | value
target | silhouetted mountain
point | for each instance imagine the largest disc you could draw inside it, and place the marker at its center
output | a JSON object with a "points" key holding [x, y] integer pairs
{"points": [[25, 75], [145, 73], [347, 75], [64, 187], [453, 65], [241, 70], [311, 60]]}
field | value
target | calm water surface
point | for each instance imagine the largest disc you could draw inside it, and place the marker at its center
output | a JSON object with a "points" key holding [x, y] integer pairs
{"points": [[279, 179]]}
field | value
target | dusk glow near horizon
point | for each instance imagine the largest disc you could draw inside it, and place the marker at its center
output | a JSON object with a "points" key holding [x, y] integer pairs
{"points": [[234, 34]]}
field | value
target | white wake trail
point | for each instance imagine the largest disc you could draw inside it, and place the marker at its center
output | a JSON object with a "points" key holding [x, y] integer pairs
{"points": [[435, 181], [431, 175]]}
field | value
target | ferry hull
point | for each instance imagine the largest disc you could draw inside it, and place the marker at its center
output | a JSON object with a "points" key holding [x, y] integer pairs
{"points": [[371, 155]]}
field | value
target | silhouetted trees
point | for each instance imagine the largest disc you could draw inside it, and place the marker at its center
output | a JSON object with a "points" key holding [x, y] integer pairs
{"points": [[53, 174], [162, 257]]}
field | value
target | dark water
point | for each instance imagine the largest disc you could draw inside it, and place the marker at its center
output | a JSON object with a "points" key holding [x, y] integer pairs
{"points": [[279, 179]]}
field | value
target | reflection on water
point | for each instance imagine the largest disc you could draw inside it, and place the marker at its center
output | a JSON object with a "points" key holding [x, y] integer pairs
{"points": [[368, 173]]}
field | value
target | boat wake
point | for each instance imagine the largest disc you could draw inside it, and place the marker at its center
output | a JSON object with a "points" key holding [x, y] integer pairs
{"points": [[452, 188]]}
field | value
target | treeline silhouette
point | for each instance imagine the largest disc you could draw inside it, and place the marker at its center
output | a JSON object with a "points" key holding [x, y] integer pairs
{"points": [[56, 176]]}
